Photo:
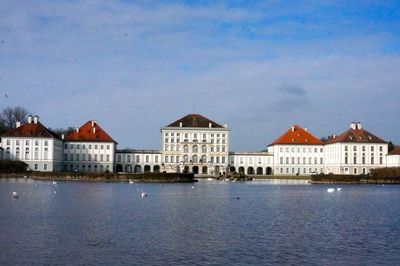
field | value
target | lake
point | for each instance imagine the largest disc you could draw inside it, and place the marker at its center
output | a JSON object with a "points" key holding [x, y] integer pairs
{"points": [[260, 222]]}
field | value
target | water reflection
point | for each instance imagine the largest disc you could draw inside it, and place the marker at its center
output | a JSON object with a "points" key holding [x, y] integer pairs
{"points": [[210, 222]]}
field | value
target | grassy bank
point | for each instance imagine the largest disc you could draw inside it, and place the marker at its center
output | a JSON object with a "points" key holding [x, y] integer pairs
{"points": [[104, 177]]}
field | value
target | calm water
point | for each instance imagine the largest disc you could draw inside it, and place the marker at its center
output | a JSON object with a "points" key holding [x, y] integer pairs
{"points": [[198, 224]]}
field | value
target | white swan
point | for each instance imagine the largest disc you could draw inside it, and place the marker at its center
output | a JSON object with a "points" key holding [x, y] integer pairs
{"points": [[339, 189], [54, 182], [130, 181], [330, 190], [144, 194], [15, 195]]}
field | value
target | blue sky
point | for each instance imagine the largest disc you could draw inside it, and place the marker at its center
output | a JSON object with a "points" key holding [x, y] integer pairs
{"points": [[258, 66]]}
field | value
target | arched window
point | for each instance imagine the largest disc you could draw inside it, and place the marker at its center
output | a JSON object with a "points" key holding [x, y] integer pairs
{"points": [[27, 153], [8, 153], [203, 159], [166, 148], [195, 159], [204, 149], [185, 159], [186, 148], [195, 148]]}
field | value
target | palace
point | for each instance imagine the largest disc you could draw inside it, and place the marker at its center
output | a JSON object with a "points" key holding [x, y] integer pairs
{"points": [[196, 144]]}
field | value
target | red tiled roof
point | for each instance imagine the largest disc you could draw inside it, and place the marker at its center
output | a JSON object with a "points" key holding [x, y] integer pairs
{"points": [[395, 151], [31, 130], [90, 131], [194, 120], [297, 135], [356, 135]]}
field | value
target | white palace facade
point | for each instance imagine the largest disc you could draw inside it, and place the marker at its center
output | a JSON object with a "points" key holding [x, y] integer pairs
{"points": [[196, 144]]}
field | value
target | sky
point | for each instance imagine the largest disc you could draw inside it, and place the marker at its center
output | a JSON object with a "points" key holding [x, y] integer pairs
{"points": [[257, 66]]}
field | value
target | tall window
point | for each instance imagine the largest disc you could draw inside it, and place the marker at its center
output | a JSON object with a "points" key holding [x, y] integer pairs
{"points": [[195, 148], [17, 153], [204, 149], [46, 153], [186, 148], [27, 153]]}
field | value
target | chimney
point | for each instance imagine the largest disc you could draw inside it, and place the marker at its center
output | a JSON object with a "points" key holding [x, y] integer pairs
{"points": [[93, 122], [209, 124], [353, 125], [225, 125], [334, 135], [77, 129], [17, 124], [94, 130], [305, 129], [29, 119], [35, 119], [62, 136], [180, 124], [358, 125], [292, 128]]}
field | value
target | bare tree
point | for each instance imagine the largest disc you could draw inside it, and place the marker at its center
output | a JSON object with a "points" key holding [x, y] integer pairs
{"points": [[10, 116]]}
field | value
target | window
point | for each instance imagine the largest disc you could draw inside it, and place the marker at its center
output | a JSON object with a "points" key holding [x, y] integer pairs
{"points": [[241, 159], [108, 157], [118, 157], [77, 157], [101, 157], [204, 149], [156, 159], [195, 149], [101, 147], [90, 157], [147, 158], [95, 146], [138, 158], [95, 157], [108, 147], [27, 153], [45, 166], [17, 142], [83, 157], [27, 142], [186, 148], [36, 153]]}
